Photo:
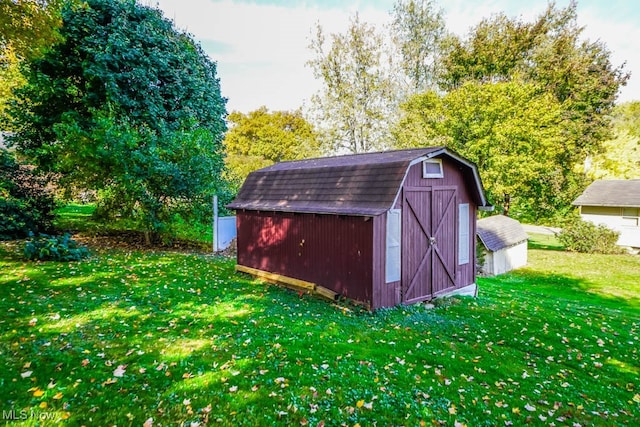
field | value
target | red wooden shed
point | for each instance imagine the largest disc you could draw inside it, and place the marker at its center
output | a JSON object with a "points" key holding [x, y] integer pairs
{"points": [[380, 228]]}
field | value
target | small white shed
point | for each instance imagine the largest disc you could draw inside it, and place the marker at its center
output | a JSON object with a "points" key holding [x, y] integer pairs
{"points": [[505, 242]]}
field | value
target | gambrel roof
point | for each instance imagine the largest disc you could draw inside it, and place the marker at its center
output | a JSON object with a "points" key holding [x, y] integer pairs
{"points": [[357, 184], [613, 193], [499, 232]]}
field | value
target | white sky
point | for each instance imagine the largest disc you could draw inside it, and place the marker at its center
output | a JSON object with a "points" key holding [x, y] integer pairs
{"points": [[261, 46]]}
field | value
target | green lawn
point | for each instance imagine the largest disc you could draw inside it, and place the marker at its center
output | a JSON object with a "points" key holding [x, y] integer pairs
{"points": [[127, 336]]}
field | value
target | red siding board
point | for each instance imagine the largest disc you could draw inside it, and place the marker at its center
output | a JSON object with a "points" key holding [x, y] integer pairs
{"points": [[332, 251]]}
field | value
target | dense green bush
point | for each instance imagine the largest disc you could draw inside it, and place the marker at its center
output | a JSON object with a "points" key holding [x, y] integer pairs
{"points": [[583, 236], [26, 204], [54, 248]]}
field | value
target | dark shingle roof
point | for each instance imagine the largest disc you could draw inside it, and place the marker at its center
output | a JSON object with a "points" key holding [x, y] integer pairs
{"points": [[499, 232], [615, 193], [358, 184]]}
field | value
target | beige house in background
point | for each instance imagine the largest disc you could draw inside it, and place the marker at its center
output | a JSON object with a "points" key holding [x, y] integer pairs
{"points": [[615, 204]]}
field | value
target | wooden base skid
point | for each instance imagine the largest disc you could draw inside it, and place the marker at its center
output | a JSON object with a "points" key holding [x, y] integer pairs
{"points": [[289, 282]]}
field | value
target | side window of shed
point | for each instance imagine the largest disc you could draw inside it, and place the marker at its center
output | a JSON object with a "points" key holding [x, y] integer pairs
{"points": [[394, 229], [464, 242]]}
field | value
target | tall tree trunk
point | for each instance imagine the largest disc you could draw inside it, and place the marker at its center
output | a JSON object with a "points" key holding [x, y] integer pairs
{"points": [[507, 204]]}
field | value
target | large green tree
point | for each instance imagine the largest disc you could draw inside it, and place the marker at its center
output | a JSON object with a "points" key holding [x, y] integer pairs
{"points": [[262, 138], [127, 105], [27, 27], [550, 53], [356, 101], [510, 130], [620, 155], [419, 36]]}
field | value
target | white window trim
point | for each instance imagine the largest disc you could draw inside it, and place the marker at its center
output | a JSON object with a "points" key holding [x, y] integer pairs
{"points": [[432, 175], [394, 246], [464, 234]]}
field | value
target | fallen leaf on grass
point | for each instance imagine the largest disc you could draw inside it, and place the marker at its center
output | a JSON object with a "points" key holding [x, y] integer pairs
{"points": [[38, 393], [26, 374], [148, 423], [120, 371]]}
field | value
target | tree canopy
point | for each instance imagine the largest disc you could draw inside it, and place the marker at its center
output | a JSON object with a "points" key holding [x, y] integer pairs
{"points": [[528, 101], [620, 155], [550, 53], [419, 34], [262, 138], [27, 27], [510, 130], [356, 100], [127, 105]]}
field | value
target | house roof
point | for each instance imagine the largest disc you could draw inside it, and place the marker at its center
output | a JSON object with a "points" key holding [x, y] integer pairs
{"points": [[357, 184], [499, 232], [615, 193]]}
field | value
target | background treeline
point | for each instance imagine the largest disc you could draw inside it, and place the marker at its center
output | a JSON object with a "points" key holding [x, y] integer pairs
{"points": [[108, 96]]}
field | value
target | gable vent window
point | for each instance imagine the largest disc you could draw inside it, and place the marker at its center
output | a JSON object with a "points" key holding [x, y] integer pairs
{"points": [[432, 168]]}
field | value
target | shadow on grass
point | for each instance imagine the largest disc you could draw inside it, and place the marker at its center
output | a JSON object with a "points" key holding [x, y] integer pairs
{"points": [[547, 242], [536, 285]]}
